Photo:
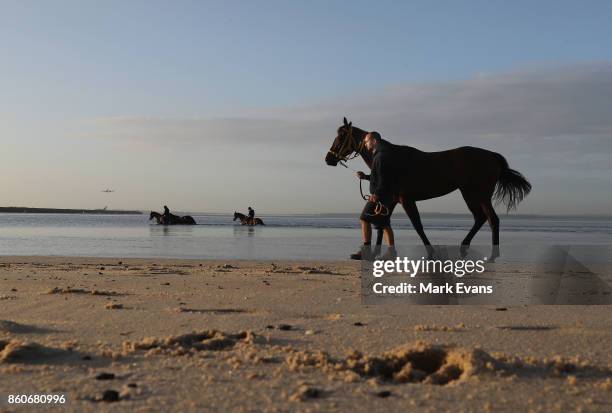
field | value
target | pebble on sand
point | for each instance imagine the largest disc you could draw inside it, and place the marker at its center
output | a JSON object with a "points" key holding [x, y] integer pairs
{"points": [[105, 376], [110, 396]]}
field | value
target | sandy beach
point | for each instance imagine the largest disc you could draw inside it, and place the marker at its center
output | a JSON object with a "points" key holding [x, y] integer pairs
{"points": [[188, 335]]}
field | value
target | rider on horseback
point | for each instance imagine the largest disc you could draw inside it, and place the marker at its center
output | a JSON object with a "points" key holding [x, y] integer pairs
{"points": [[379, 206], [166, 215], [251, 216]]}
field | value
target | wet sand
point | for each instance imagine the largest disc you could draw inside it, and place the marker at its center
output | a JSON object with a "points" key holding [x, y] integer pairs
{"points": [[188, 335]]}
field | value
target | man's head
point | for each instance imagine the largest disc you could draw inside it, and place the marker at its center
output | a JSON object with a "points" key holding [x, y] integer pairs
{"points": [[372, 141]]}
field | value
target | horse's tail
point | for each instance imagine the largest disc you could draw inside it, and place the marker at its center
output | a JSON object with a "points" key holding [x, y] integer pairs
{"points": [[512, 187]]}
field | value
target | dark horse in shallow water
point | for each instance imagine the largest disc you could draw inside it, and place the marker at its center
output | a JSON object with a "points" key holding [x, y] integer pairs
{"points": [[482, 176], [245, 220], [174, 219]]}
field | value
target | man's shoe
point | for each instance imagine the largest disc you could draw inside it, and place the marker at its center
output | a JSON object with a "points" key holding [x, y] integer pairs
{"points": [[364, 253]]}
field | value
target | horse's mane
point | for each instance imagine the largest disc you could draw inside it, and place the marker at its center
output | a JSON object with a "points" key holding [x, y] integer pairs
{"points": [[404, 149], [390, 145]]}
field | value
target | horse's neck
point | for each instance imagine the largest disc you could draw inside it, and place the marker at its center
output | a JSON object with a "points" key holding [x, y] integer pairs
{"points": [[156, 215], [364, 153]]}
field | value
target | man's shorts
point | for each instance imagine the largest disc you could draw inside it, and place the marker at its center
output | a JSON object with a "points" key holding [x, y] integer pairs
{"points": [[381, 220]]}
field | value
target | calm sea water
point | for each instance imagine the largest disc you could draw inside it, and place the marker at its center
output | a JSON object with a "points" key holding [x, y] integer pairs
{"points": [[294, 237]]}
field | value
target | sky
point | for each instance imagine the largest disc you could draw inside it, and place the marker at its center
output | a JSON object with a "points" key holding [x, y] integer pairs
{"points": [[216, 106]]}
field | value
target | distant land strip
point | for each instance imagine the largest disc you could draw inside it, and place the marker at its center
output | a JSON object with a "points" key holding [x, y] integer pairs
{"points": [[24, 210]]}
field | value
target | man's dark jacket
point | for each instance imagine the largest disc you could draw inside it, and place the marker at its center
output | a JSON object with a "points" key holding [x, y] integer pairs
{"points": [[381, 177]]}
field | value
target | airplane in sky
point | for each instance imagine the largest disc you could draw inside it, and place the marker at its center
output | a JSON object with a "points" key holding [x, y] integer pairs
{"points": [[108, 191]]}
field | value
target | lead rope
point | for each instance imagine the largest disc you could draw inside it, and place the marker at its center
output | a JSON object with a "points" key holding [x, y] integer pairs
{"points": [[380, 208]]}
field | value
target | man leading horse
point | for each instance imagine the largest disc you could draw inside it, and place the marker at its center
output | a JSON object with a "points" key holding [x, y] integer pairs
{"points": [[379, 206], [483, 177]]}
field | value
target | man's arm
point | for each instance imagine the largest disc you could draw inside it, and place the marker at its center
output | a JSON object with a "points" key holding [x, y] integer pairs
{"points": [[361, 175]]}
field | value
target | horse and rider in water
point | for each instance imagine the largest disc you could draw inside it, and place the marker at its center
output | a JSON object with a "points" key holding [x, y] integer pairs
{"points": [[249, 219], [170, 219], [405, 175]]}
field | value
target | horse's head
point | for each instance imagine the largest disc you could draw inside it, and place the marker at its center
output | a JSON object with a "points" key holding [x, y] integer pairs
{"points": [[235, 216], [344, 145], [152, 215]]}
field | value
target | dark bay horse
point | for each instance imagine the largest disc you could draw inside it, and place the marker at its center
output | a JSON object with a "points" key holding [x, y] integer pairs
{"points": [[174, 219], [245, 220], [482, 176]]}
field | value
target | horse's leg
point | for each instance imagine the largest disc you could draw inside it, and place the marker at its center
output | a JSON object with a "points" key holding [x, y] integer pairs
{"points": [[479, 218], [413, 213], [493, 219]]}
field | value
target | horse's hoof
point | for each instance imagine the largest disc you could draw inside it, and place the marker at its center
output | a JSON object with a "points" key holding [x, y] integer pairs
{"points": [[389, 255], [431, 252], [494, 253]]}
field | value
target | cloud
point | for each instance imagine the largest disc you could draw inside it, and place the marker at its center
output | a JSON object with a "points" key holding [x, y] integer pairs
{"points": [[512, 108], [172, 131]]}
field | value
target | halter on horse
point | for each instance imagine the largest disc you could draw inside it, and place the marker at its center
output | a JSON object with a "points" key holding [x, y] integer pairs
{"points": [[348, 146]]}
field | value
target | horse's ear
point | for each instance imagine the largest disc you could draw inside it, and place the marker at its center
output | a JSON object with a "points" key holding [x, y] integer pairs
{"points": [[350, 124], [345, 121]]}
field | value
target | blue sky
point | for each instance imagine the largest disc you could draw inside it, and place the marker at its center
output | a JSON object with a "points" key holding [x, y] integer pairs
{"points": [[72, 69]]}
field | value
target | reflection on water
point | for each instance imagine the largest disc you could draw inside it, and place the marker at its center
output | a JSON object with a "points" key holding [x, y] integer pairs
{"points": [[240, 230], [295, 237], [171, 230]]}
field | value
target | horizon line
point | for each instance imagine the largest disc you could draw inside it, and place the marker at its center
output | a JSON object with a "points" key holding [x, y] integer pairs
{"points": [[354, 213]]}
